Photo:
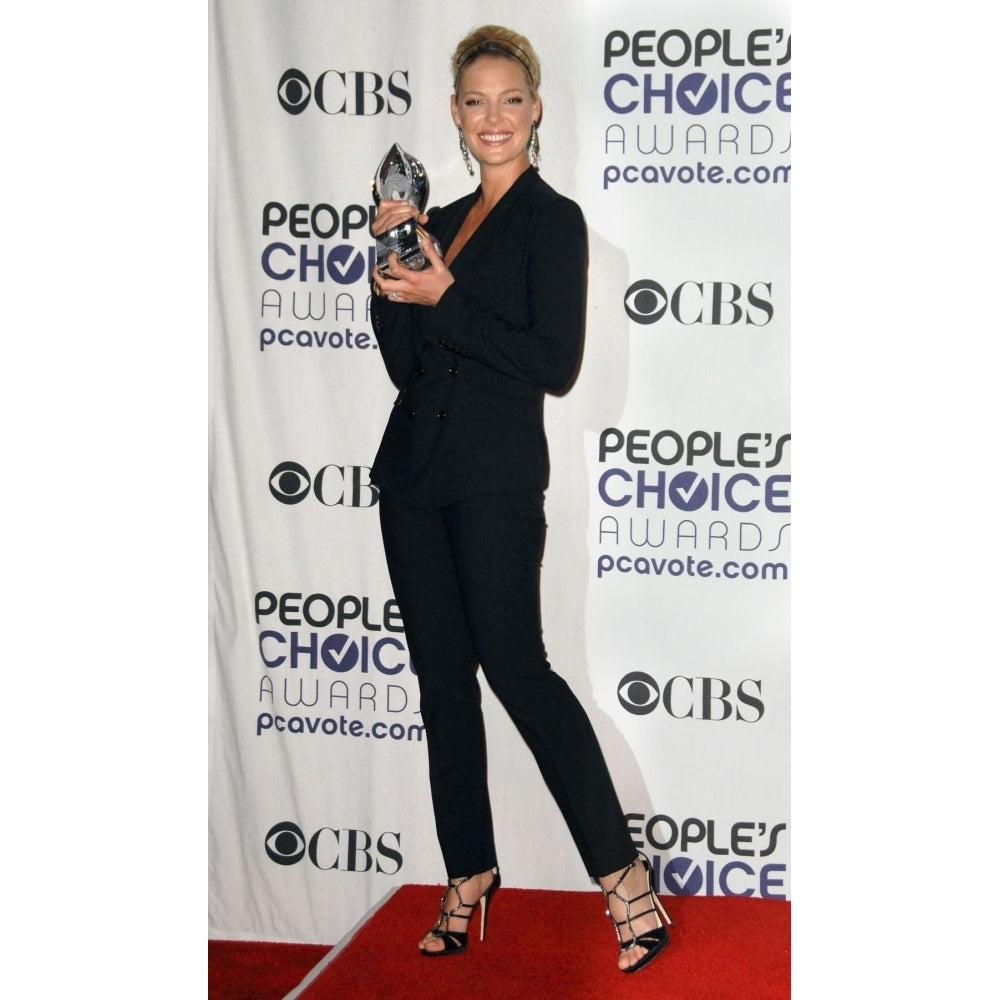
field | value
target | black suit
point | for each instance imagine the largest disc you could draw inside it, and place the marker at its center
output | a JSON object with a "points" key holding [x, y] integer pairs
{"points": [[461, 469]]}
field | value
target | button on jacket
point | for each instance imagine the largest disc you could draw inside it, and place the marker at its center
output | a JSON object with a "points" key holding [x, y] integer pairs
{"points": [[472, 371]]}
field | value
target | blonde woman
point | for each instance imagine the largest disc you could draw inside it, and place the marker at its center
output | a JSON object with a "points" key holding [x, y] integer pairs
{"points": [[473, 342]]}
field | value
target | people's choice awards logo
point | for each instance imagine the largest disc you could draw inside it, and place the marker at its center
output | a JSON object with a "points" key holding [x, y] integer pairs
{"points": [[668, 520], [717, 858], [697, 108]]}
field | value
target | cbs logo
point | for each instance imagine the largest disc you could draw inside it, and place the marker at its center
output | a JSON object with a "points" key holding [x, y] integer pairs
{"points": [[706, 699]]}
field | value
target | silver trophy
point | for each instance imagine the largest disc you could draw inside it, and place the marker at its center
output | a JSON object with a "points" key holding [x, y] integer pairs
{"points": [[401, 177]]}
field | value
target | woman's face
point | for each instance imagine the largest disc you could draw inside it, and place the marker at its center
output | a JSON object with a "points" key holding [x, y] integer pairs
{"points": [[494, 108]]}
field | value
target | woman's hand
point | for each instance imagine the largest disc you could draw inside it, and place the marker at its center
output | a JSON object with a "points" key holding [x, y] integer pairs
{"points": [[390, 214], [400, 284]]}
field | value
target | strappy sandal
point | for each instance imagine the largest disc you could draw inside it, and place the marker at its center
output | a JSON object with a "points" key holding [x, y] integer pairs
{"points": [[455, 942], [654, 940]]}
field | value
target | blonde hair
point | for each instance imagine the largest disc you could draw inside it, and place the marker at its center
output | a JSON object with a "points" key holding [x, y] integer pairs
{"points": [[494, 40]]}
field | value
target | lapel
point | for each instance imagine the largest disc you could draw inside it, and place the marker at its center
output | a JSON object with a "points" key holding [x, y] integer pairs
{"points": [[491, 230]]}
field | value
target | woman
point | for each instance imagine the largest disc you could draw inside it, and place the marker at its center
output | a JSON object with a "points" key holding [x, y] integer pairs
{"points": [[473, 342]]}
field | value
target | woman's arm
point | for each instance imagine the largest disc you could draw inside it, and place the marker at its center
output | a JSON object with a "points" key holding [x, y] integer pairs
{"points": [[546, 351]]}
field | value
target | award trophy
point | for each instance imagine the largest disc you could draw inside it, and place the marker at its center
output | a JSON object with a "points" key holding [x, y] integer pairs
{"points": [[401, 177]]}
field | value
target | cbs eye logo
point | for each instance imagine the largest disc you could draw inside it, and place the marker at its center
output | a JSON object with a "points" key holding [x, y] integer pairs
{"points": [[638, 693], [646, 301], [294, 91], [290, 483], [285, 844]]}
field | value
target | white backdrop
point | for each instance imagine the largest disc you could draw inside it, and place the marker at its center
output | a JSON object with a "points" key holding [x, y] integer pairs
{"points": [[666, 573]]}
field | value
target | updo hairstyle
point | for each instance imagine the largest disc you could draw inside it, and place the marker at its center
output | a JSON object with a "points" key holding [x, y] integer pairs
{"points": [[493, 40]]}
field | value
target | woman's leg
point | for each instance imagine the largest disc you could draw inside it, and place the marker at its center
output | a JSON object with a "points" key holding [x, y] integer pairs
{"points": [[420, 565], [496, 543], [466, 580]]}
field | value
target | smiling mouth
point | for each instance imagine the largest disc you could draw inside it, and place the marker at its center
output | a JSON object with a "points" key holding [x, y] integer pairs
{"points": [[495, 137]]}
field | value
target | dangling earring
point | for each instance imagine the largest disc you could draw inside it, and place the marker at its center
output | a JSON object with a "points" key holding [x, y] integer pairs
{"points": [[464, 149], [533, 152]]}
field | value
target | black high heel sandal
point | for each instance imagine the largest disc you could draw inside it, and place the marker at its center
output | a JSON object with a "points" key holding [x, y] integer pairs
{"points": [[455, 942], [654, 940]]}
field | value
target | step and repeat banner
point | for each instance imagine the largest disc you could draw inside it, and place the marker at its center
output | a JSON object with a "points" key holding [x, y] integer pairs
{"points": [[667, 566]]}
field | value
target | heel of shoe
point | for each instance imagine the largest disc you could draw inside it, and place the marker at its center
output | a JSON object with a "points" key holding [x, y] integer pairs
{"points": [[485, 901]]}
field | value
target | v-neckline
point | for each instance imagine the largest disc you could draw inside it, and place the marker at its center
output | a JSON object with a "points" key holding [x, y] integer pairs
{"points": [[463, 219], [474, 197]]}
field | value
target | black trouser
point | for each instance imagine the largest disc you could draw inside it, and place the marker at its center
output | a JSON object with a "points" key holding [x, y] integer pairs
{"points": [[466, 580]]}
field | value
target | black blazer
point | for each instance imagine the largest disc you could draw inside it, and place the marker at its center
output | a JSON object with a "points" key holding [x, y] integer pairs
{"points": [[472, 370]]}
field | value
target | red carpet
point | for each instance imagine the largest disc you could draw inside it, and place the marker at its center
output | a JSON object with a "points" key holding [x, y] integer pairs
{"points": [[257, 970], [560, 945]]}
